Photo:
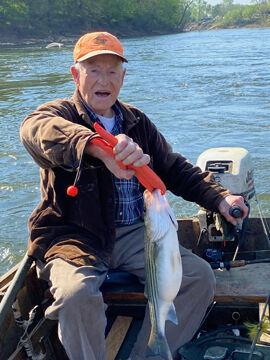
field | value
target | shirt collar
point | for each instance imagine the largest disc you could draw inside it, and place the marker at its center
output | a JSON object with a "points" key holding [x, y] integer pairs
{"points": [[118, 117]]}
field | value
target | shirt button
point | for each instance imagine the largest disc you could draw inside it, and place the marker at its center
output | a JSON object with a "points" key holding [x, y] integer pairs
{"points": [[121, 213]]}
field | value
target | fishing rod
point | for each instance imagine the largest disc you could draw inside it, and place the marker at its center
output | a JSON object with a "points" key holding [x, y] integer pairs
{"points": [[237, 213], [237, 263], [253, 345]]}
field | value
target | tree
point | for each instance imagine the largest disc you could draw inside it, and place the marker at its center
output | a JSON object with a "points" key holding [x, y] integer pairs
{"points": [[13, 15]]}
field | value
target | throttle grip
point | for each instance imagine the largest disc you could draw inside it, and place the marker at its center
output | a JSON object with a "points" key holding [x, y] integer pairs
{"points": [[236, 212]]}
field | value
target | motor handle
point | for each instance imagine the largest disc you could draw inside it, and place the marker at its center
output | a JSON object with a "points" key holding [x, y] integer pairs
{"points": [[236, 212]]}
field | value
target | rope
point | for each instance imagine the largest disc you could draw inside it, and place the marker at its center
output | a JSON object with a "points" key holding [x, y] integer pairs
{"points": [[264, 223]]}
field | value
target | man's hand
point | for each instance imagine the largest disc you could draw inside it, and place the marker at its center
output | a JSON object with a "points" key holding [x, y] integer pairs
{"points": [[126, 151], [228, 202]]}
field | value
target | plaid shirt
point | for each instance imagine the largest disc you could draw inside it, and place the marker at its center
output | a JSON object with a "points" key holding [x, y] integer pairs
{"points": [[128, 193]]}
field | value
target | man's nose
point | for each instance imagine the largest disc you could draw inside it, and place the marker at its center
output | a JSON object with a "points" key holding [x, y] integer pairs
{"points": [[103, 78]]}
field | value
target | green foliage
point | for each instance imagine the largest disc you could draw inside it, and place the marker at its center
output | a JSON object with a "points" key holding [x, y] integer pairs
{"points": [[254, 327], [228, 14], [67, 17], [223, 8], [43, 18], [233, 17], [13, 14], [243, 15], [200, 9]]}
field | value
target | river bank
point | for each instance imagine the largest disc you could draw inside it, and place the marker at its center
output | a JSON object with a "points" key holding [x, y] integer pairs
{"points": [[215, 24], [18, 39], [205, 25]]}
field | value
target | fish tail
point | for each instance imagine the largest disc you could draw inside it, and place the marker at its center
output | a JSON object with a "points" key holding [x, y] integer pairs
{"points": [[158, 345]]}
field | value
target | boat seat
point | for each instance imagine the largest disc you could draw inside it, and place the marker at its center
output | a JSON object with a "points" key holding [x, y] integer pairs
{"points": [[244, 284], [119, 277], [249, 283], [122, 288]]}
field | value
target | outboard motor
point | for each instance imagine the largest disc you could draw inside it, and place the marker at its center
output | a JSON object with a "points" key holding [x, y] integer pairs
{"points": [[231, 168]]}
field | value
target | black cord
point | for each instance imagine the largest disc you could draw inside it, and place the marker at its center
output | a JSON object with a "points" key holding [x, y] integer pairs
{"points": [[79, 171]]}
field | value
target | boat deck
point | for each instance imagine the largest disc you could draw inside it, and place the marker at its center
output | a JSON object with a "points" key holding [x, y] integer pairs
{"points": [[249, 283]]}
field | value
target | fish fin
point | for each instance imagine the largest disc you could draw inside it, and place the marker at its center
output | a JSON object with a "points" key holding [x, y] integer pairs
{"points": [[172, 315], [158, 345], [146, 290]]}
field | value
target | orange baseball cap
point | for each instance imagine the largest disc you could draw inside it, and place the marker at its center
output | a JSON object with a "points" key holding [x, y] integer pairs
{"points": [[97, 43]]}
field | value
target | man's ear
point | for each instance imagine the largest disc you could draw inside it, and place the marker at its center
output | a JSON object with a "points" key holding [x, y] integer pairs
{"points": [[123, 76], [75, 74]]}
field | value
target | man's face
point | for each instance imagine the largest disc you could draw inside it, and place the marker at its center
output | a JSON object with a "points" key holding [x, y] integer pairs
{"points": [[99, 82]]}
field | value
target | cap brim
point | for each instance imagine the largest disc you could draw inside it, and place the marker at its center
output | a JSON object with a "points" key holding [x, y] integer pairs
{"points": [[100, 52]]}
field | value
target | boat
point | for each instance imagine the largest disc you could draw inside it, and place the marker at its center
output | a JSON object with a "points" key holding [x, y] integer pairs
{"points": [[239, 256]]}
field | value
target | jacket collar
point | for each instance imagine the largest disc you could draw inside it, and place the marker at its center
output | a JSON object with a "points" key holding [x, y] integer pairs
{"points": [[76, 98], [130, 118]]}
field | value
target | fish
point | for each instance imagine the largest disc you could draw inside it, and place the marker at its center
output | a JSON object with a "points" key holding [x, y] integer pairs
{"points": [[163, 267]]}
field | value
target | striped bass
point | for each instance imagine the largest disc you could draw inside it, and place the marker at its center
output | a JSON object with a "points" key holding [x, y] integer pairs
{"points": [[163, 269]]}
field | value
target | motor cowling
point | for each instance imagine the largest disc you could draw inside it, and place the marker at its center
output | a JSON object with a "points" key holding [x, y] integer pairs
{"points": [[232, 168]]}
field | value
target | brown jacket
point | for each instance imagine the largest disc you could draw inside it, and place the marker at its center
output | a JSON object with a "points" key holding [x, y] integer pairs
{"points": [[81, 229]]}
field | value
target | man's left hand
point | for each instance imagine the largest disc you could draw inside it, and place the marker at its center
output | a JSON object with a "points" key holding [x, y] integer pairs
{"points": [[228, 202]]}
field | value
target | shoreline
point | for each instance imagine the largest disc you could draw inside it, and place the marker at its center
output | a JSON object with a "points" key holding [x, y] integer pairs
{"points": [[205, 26], [13, 40]]}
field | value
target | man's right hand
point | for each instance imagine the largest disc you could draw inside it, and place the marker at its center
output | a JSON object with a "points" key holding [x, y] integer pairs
{"points": [[126, 151]]}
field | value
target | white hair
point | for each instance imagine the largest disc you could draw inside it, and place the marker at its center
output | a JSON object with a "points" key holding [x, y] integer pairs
{"points": [[79, 65]]}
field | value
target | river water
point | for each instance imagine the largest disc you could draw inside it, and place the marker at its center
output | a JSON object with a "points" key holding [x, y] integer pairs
{"points": [[202, 90]]}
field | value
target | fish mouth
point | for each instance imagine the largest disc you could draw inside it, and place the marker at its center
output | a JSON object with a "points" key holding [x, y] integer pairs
{"points": [[148, 198], [159, 214]]}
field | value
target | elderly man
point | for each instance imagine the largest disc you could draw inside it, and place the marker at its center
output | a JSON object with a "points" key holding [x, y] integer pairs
{"points": [[76, 240]]}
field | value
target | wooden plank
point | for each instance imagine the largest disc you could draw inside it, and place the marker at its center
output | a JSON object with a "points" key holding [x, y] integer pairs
{"points": [[247, 283], [116, 336], [8, 276], [3, 290], [125, 296], [265, 336], [261, 308]]}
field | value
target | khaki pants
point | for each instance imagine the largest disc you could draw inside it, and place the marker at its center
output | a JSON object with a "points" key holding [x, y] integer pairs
{"points": [[80, 310]]}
